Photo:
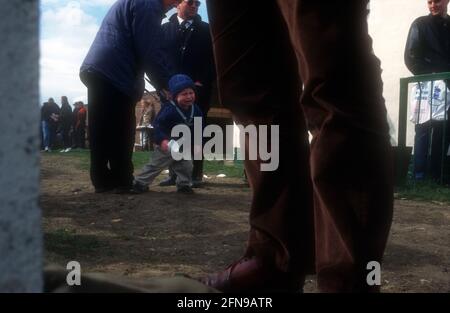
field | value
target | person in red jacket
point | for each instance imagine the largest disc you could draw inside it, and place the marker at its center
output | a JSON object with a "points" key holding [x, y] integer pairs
{"points": [[79, 127]]}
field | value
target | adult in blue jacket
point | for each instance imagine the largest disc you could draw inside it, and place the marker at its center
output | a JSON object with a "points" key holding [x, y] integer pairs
{"points": [[126, 46]]}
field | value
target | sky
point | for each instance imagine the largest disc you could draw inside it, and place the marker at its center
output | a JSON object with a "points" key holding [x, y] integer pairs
{"points": [[67, 30]]}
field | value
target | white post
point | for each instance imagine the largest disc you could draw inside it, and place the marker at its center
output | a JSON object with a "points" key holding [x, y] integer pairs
{"points": [[20, 217]]}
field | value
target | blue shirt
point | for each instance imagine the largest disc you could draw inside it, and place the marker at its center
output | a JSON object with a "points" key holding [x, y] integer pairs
{"points": [[127, 45]]}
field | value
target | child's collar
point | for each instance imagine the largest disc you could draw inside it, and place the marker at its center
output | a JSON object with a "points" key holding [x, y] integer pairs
{"points": [[180, 107], [187, 120]]}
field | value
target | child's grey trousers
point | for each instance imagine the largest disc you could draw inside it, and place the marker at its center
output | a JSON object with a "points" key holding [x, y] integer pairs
{"points": [[162, 160]]}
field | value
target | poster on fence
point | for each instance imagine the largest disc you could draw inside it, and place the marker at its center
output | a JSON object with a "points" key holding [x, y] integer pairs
{"points": [[425, 107]]}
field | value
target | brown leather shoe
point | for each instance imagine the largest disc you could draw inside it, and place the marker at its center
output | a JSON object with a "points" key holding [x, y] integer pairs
{"points": [[253, 275]]}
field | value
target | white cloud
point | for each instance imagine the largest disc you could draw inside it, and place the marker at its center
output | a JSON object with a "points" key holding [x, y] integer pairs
{"points": [[92, 3], [46, 2], [98, 2], [67, 33]]}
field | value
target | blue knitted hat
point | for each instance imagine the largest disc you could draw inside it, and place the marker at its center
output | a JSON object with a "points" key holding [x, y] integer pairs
{"points": [[178, 83]]}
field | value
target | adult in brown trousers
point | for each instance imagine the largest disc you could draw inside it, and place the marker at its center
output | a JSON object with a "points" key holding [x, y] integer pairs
{"points": [[307, 65]]}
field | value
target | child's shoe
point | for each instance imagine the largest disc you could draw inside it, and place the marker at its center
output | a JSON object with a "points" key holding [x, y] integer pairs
{"points": [[185, 190]]}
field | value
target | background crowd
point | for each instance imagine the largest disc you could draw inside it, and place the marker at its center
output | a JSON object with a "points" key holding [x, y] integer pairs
{"points": [[63, 127]]}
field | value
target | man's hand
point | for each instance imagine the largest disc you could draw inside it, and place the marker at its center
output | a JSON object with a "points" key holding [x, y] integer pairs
{"points": [[164, 145], [54, 117]]}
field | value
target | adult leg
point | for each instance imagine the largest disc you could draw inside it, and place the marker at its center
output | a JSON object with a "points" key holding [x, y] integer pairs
{"points": [[82, 136], [52, 135], [421, 139], [197, 172], [76, 140], [99, 135], [351, 162], [258, 81], [446, 136], [203, 101], [46, 134], [121, 139], [436, 143], [66, 137]]}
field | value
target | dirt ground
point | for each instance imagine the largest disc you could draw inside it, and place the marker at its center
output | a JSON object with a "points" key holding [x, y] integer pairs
{"points": [[162, 233]]}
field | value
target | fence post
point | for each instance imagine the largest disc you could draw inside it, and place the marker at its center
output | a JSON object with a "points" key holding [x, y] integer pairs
{"points": [[21, 256]]}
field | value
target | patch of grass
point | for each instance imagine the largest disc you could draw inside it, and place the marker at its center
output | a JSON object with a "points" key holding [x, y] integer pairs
{"points": [[81, 156], [140, 158], [423, 190], [426, 190], [69, 244], [230, 169]]}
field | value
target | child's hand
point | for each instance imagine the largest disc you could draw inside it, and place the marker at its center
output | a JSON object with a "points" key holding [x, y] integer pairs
{"points": [[164, 145]]}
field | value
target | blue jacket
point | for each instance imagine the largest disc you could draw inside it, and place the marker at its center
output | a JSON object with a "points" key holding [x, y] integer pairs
{"points": [[127, 45], [169, 117]]}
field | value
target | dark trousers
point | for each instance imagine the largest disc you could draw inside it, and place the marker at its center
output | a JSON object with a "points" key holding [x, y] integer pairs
{"points": [[203, 95], [111, 123], [329, 204], [428, 143], [66, 137], [52, 131], [79, 137]]}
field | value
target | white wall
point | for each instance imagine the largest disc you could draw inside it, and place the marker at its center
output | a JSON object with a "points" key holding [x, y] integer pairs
{"points": [[389, 23]]}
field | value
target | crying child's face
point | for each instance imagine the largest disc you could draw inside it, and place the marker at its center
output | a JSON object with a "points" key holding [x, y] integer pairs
{"points": [[186, 98]]}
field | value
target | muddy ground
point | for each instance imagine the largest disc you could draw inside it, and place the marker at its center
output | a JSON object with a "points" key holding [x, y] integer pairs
{"points": [[162, 233]]}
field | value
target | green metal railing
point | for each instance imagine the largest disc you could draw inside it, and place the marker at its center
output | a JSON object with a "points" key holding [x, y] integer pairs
{"points": [[403, 108]]}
